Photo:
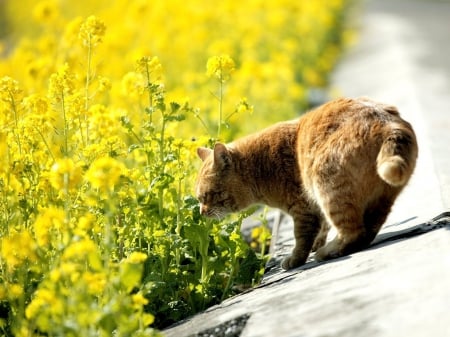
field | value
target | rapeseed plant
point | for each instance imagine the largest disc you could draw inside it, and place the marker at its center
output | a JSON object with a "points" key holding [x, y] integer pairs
{"points": [[100, 117]]}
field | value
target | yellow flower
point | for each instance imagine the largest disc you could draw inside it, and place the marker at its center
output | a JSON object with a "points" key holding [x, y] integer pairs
{"points": [[138, 300], [92, 31], [61, 84], [104, 84], [244, 106], [44, 300], [96, 282], [79, 249], [137, 257], [33, 308], [85, 224], [55, 275], [147, 319], [45, 295], [9, 90], [104, 121], [150, 67], [133, 85], [104, 173], [67, 268], [50, 221], [256, 232], [18, 248], [220, 67], [37, 105], [15, 290], [65, 175]]}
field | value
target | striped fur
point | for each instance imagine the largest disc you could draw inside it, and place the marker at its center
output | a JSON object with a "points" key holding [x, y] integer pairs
{"points": [[342, 165]]}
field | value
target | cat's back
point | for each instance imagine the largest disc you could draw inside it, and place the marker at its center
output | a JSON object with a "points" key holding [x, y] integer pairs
{"points": [[344, 125], [346, 135], [273, 143], [346, 116]]}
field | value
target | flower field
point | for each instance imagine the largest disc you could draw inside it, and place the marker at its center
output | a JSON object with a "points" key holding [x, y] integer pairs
{"points": [[102, 105]]}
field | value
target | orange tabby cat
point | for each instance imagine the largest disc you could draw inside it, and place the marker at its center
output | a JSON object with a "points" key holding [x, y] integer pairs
{"points": [[342, 164]]}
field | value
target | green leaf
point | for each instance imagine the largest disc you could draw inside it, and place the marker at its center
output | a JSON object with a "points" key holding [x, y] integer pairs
{"points": [[174, 106], [177, 118], [95, 262], [107, 322], [133, 147], [130, 275], [162, 181], [126, 123], [248, 269], [149, 110]]}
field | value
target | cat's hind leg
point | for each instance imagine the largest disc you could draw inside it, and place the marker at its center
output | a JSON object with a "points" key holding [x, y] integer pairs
{"points": [[355, 232], [306, 228], [348, 240], [321, 238], [346, 216], [376, 213]]}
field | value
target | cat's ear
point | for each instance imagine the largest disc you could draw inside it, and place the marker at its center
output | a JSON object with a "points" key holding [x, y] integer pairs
{"points": [[203, 153], [222, 157]]}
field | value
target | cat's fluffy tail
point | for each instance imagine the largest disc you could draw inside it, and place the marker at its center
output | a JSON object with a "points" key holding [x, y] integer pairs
{"points": [[397, 157]]}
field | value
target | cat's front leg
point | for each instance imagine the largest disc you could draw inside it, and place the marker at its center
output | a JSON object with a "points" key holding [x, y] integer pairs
{"points": [[306, 228]]}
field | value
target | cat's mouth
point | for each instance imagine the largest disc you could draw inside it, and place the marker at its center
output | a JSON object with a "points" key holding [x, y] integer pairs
{"points": [[212, 212]]}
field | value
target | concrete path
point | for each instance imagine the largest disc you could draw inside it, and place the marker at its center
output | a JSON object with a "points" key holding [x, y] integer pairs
{"points": [[401, 285]]}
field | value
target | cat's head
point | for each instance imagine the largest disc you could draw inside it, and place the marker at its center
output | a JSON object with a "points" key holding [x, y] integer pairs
{"points": [[219, 186]]}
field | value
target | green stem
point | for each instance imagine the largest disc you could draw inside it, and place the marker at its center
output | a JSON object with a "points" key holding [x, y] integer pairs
{"points": [[219, 125], [16, 121], [46, 145], [66, 127], [203, 250], [203, 278], [229, 282], [162, 142], [108, 234], [135, 135], [163, 166], [227, 118], [203, 123], [263, 245], [88, 82], [179, 205], [150, 94], [161, 205], [67, 203], [265, 227], [179, 222]]}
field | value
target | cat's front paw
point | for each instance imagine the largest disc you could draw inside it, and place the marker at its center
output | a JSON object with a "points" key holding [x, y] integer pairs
{"points": [[290, 262], [286, 264]]}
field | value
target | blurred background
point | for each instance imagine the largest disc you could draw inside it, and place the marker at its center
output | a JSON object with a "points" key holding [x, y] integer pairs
{"points": [[283, 50]]}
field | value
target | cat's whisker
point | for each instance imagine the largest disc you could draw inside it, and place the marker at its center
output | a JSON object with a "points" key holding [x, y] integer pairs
{"points": [[218, 214]]}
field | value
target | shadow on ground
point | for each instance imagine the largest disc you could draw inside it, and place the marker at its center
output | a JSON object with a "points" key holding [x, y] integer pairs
{"points": [[275, 274]]}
